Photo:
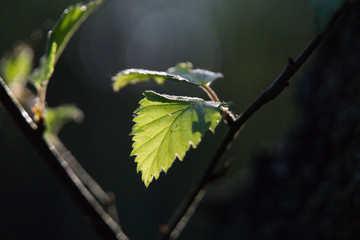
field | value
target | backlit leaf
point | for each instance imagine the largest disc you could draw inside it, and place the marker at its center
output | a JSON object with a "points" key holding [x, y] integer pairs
{"points": [[69, 22], [195, 76], [43, 73], [182, 72], [134, 75], [59, 36], [56, 118], [165, 128], [16, 66]]}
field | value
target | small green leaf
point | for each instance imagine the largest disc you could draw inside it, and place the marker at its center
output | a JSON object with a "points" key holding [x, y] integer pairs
{"points": [[324, 10], [56, 118], [133, 76], [194, 76], [182, 72], [59, 36], [69, 22], [165, 128], [17, 66], [43, 73]]}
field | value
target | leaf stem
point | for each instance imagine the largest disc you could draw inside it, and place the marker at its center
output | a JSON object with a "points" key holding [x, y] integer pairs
{"points": [[211, 93], [104, 223], [267, 95]]}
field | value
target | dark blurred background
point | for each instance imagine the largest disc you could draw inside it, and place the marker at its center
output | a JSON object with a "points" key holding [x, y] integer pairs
{"points": [[248, 41]]}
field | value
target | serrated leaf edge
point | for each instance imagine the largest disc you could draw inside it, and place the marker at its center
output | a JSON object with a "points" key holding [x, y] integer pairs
{"points": [[190, 143]]}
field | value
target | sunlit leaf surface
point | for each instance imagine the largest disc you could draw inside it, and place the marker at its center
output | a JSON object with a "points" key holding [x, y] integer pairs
{"points": [[182, 72], [165, 128]]}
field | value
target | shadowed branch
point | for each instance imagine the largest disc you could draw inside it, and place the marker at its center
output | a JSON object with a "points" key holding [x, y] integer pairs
{"points": [[91, 200], [180, 217]]}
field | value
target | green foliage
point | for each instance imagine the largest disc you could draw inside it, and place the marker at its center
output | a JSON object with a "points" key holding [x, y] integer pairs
{"points": [[165, 128], [182, 72], [59, 36], [195, 76], [325, 9], [17, 66], [42, 75], [133, 76], [55, 118], [69, 22], [166, 125]]}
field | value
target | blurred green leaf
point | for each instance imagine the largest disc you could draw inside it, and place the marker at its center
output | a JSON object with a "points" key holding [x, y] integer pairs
{"points": [[324, 10], [165, 128], [182, 72], [43, 73], [17, 66], [56, 118]]}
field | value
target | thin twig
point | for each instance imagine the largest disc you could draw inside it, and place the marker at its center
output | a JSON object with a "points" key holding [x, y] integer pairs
{"points": [[212, 95], [107, 200], [266, 96], [187, 216], [103, 222]]}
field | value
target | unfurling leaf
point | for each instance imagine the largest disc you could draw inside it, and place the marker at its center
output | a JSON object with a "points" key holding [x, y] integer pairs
{"points": [[59, 36], [16, 66], [43, 73], [69, 22], [165, 128], [56, 118], [182, 72]]}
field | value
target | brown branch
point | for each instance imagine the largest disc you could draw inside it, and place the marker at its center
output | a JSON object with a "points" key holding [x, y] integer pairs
{"points": [[172, 227], [103, 222]]}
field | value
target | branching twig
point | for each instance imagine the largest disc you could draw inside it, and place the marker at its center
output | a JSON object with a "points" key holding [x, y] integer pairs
{"points": [[107, 225], [172, 229]]}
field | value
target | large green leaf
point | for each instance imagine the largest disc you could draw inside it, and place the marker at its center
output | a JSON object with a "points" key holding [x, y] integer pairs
{"points": [[16, 66], [59, 36], [325, 9], [165, 128], [182, 72]]}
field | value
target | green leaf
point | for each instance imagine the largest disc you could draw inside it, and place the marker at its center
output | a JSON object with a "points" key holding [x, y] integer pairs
{"points": [[134, 75], [17, 66], [324, 10], [59, 36], [42, 74], [182, 72], [56, 118], [69, 22], [194, 76], [165, 128]]}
